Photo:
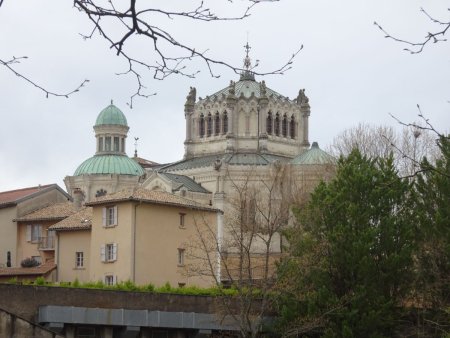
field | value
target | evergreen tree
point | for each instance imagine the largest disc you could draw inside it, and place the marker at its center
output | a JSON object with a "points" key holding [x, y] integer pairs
{"points": [[351, 255]]}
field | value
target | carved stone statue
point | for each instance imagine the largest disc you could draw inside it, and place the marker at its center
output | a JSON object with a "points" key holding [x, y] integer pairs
{"points": [[190, 99], [231, 90], [302, 98], [263, 88]]}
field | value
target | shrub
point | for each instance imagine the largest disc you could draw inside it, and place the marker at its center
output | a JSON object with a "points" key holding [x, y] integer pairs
{"points": [[39, 281], [29, 262]]}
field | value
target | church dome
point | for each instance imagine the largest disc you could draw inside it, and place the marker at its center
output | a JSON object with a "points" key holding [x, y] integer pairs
{"points": [[111, 115], [109, 164], [314, 155]]}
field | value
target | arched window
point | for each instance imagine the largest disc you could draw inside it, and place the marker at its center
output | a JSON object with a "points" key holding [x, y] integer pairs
{"points": [[209, 126], [277, 125], [292, 127], [225, 123], [217, 124], [201, 126], [284, 124], [269, 123]]}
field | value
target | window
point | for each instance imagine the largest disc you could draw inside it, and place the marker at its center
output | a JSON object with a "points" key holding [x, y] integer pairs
{"points": [[201, 126], [37, 259], [110, 216], [225, 123], [269, 123], [116, 143], [182, 220], [181, 257], [292, 127], [110, 280], [108, 143], [79, 259], [277, 125], [217, 124], [108, 252], [34, 232], [100, 144], [85, 332], [284, 124], [123, 145], [209, 125]]}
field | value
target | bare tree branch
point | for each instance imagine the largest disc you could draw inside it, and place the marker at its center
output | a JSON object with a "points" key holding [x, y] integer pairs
{"points": [[16, 60], [138, 23], [434, 37]]}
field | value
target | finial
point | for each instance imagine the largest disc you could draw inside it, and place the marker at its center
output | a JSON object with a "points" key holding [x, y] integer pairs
{"points": [[111, 101], [247, 74], [247, 61], [136, 139]]}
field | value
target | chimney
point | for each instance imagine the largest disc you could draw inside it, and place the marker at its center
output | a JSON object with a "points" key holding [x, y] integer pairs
{"points": [[77, 198]]}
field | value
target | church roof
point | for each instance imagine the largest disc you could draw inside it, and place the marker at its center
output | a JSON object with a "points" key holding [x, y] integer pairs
{"points": [[246, 87], [314, 155], [111, 115], [184, 181], [109, 164], [231, 159], [150, 196]]}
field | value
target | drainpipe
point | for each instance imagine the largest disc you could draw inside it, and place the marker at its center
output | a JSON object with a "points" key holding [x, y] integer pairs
{"points": [[219, 245]]}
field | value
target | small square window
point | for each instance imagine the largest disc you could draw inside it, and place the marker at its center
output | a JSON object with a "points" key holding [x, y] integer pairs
{"points": [[110, 280]]}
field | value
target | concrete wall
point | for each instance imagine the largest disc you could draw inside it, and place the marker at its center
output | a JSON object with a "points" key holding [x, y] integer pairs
{"points": [[24, 300], [13, 326], [70, 242]]}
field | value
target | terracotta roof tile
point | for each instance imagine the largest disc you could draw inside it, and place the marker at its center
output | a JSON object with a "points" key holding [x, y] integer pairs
{"points": [[55, 211], [148, 196], [15, 195], [81, 220], [35, 271]]}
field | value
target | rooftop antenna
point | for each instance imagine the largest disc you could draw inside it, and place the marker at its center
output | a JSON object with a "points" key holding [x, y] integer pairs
{"points": [[136, 139]]}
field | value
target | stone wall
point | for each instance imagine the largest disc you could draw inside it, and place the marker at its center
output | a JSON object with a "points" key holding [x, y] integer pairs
{"points": [[13, 326], [24, 300]]}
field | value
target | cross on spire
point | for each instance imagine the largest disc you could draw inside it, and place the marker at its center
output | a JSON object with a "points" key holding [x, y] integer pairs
{"points": [[247, 61]]}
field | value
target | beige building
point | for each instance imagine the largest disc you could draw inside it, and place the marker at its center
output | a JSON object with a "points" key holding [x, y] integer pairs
{"points": [[136, 234], [17, 203]]}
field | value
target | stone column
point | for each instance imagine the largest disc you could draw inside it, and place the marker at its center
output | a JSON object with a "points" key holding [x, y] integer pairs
{"points": [[305, 110]]}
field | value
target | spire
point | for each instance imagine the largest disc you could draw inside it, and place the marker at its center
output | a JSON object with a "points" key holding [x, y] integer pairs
{"points": [[136, 139], [246, 73]]}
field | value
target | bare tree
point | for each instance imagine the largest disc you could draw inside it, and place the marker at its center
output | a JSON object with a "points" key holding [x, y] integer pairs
{"points": [[123, 24], [409, 147], [243, 253], [434, 36]]}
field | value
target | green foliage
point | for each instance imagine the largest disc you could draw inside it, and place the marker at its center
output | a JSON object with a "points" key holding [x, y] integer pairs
{"points": [[39, 281], [352, 254]]}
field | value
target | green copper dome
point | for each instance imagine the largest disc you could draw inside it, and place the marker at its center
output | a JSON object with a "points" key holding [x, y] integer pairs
{"points": [[314, 155], [109, 164], [111, 115]]}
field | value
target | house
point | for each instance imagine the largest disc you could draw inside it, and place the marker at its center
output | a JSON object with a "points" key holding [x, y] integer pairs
{"points": [[15, 204], [135, 234]]}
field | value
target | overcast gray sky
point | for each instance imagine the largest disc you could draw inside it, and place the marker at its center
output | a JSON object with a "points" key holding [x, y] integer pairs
{"points": [[350, 71]]}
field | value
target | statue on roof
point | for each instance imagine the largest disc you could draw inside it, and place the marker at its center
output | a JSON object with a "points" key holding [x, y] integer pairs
{"points": [[231, 90], [302, 98], [192, 96], [263, 88]]}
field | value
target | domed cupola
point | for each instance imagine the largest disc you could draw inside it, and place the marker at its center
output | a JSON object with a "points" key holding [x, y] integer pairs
{"points": [[314, 156], [111, 129]]}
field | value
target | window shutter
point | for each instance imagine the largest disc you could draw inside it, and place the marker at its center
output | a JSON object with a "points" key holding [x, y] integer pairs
{"points": [[103, 253], [114, 252], [115, 215], [28, 234], [39, 231], [104, 216], [114, 279]]}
